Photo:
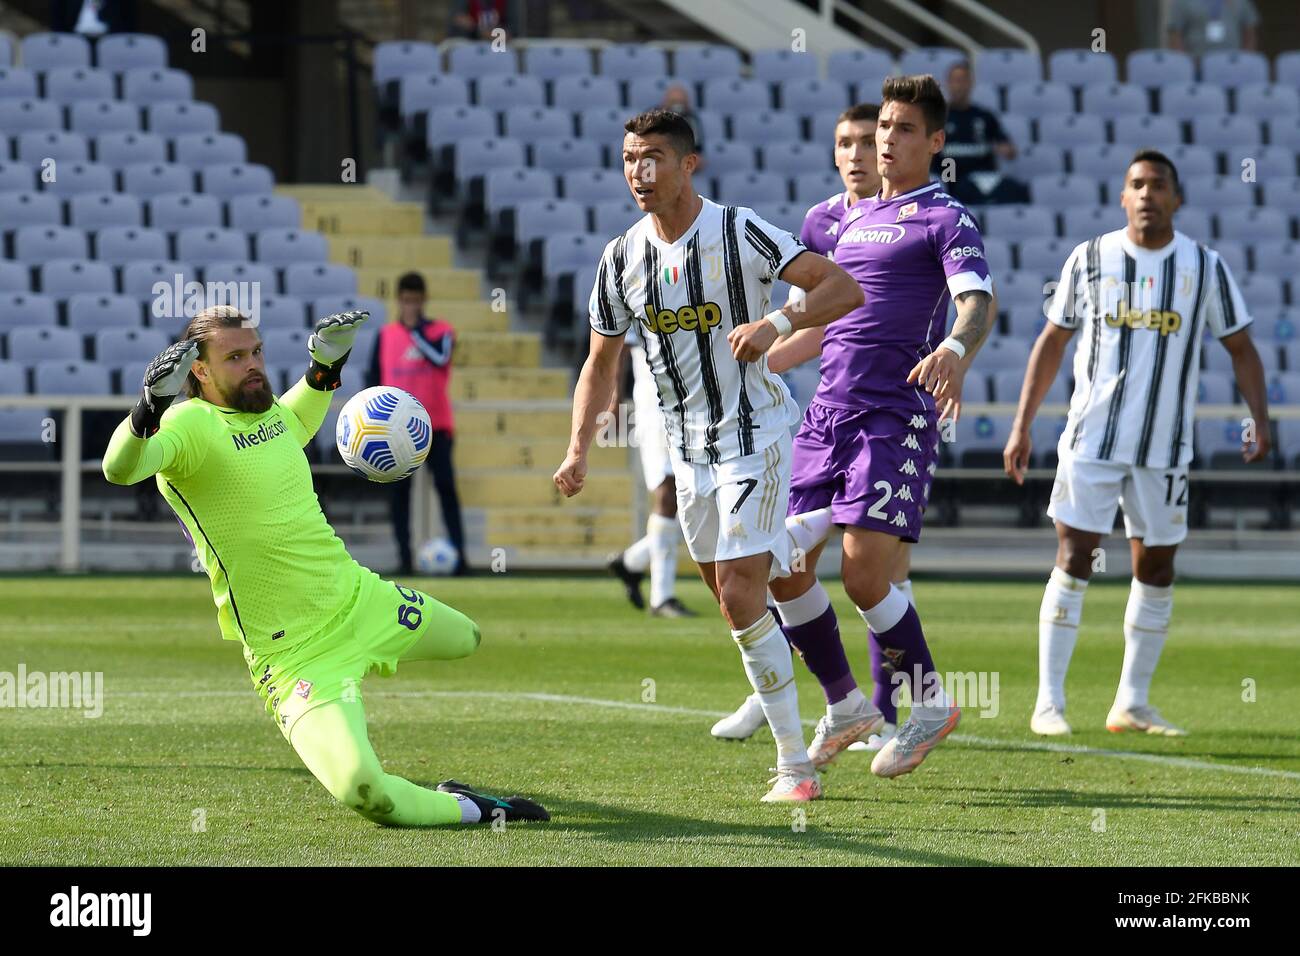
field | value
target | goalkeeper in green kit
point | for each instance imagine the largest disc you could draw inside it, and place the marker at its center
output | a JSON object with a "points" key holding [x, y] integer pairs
{"points": [[312, 621]]}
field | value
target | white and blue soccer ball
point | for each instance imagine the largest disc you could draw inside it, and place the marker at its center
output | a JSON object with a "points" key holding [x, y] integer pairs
{"points": [[383, 433], [437, 557]]}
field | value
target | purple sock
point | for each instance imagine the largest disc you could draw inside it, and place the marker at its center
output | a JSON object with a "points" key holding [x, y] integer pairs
{"points": [[882, 695], [904, 651], [818, 643]]}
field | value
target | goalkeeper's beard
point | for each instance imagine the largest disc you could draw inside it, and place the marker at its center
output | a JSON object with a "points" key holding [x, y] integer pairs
{"points": [[244, 399]]}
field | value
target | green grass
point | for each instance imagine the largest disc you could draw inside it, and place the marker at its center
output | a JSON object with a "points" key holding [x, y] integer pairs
{"points": [[644, 784]]}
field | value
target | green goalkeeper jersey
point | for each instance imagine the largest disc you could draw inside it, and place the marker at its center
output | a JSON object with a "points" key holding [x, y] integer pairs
{"points": [[240, 484]]}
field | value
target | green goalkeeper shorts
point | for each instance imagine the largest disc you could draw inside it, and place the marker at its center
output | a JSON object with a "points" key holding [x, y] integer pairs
{"points": [[382, 624]]}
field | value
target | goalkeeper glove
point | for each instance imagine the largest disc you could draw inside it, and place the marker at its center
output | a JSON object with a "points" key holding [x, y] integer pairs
{"points": [[330, 344], [163, 379]]}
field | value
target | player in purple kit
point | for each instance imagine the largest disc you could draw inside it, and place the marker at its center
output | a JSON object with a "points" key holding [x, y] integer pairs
{"points": [[869, 442]]}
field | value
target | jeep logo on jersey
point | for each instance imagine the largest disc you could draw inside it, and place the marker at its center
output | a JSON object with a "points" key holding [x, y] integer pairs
{"points": [[1155, 319], [265, 432], [885, 234], [698, 318]]}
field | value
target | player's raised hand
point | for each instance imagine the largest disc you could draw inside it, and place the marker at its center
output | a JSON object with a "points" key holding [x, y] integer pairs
{"points": [[1262, 446], [163, 378], [1015, 457], [941, 374], [331, 340], [572, 475], [749, 341]]}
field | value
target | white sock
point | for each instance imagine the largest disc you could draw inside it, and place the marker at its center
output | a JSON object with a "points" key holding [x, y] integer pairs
{"points": [[1058, 629], [930, 701], [808, 606], [854, 701], [770, 668], [637, 556], [888, 612], [808, 530], [905, 586], [663, 534], [1146, 624], [469, 811]]}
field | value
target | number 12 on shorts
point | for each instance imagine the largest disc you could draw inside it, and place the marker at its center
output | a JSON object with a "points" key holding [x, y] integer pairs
{"points": [[1169, 489]]}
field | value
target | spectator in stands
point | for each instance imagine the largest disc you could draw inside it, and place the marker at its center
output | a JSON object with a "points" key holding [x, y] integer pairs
{"points": [[92, 18], [1203, 26], [414, 353], [476, 19], [678, 99], [975, 141]]}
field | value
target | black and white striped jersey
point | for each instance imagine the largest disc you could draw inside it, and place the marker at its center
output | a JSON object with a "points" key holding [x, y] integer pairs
{"points": [[686, 296], [1141, 314]]}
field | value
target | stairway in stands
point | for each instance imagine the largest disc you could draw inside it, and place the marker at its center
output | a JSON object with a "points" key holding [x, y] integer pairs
{"points": [[512, 415]]}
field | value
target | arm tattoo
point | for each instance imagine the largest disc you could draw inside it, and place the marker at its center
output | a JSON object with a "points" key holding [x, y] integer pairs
{"points": [[972, 325]]}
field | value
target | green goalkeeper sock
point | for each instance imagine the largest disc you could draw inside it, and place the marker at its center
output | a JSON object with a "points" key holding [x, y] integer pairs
{"points": [[331, 740]]}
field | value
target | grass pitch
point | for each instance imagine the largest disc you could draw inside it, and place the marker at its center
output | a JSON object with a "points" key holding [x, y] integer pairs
{"points": [[183, 767]]}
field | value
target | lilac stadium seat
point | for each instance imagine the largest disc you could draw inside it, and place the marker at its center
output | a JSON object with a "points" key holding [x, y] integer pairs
{"points": [[1194, 222], [603, 124], [627, 61], [119, 52], [1062, 192], [48, 51], [788, 216], [125, 148], [807, 95], [1262, 292], [279, 344], [613, 218], [69, 84], [706, 61], [175, 118], [226, 181], [78, 177], [535, 218], [17, 82], [14, 277], [509, 91], [1234, 68], [44, 343], [452, 124], [35, 148], [1193, 160], [140, 277], [1278, 258], [309, 280], [97, 117], [173, 211], [551, 61], [1159, 132], [998, 253], [1227, 132], [421, 93], [1044, 257], [282, 247], [506, 186], [147, 180], [735, 95], [1036, 159], [560, 155], [1002, 66], [122, 345], [19, 310], [36, 244], [644, 92], [779, 65], [979, 439], [809, 188], [786, 158], [30, 209], [1233, 254], [1004, 353], [13, 379], [1186, 101], [1152, 68], [533, 123], [1019, 222], [476, 157], [593, 185], [1085, 222], [750, 188], [1218, 192], [395, 59], [1214, 388], [1254, 224], [71, 378], [475, 60], [281, 311], [1273, 162], [1081, 67], [246, 273], [209, 149], [92, 311], [1112, 100], [1283, 194], [1071, 130], [64, 277], [1036, 100], [1267, 100], [333, 304], [156, 85], [935, 60], [118, 245], [200, 244], [762, 128], [585, 92], [252, 213]]}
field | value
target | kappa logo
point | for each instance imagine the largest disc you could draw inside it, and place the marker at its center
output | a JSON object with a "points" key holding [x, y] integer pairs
{"points": [[911, 442], [925, 490], [931, 467], [899, 521], [953, 202], [918, 421], [905, 493], [965, 220], [835, 228], [908, 468]]}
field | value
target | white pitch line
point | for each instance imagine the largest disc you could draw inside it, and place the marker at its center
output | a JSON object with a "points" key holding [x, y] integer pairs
{"points": [[1186, 762]]}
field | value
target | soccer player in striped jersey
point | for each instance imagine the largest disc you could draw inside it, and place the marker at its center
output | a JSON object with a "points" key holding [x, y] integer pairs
{"points": [[1142, 297], [312, 622], [697, 277]]}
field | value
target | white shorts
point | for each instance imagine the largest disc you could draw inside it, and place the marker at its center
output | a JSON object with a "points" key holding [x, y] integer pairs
{"points": [[648, 425], [737, 508], [1086, 493]]}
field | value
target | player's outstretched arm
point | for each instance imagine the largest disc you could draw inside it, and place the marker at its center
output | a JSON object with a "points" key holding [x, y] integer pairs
{"points": [[596, 383], [1249, 372], [130, 456], [831, 293], [329, 346], [1044, 363]]}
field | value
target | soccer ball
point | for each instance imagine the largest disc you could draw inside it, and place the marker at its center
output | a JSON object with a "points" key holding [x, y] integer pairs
{"points": [[437, 557], [383, 433]]}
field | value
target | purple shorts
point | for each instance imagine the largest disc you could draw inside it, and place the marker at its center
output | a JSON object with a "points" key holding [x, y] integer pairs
{"points": [[873, 468]]}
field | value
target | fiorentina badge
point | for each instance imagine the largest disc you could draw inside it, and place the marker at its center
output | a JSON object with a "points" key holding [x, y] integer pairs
{"points": [[303, 689], [906, 212]]}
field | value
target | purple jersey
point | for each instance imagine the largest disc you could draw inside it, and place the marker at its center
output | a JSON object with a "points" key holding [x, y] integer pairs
{"points": [[910, 254], [821, 224]]}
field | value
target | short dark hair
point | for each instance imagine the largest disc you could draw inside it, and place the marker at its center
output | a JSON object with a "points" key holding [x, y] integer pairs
{"points": [[665, 123], [1149, 155], [860, 113], [411, 282], [921, 89]]}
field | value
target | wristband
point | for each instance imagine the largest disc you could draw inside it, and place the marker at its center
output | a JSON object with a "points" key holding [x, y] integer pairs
{"points": [[146, 417], [782, 324], [326, 378], [954, 346]]}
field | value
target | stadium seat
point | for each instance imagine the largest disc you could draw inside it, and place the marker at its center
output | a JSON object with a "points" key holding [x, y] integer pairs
{"points": [[96, 117], [73, 178], [420, 93], [31, 208], [310, 280], [509, 91], [809, 189], [1186, 101], [1261, 292], [998, 254], [764, 127], [602, 124], [1008, 382], [126, 148], [1058, 193], [1085, 222], [476, 60], [27, 310], [807, 95], [1284, 389], [750, 188], [1218, 192], [782, 64], [35, 244], [536, 218], [1234, 68], [1192, 160], [47, 51], [1233, 254], [14, 277], [61, 278], [1024, 324], [1024, 290], [788, 216], [1194, 222], [1283, 195], [865, 67], [17, 82], [30, 345], [173, 211], [1253, 223], [13, 379], [593, 185], [558, 155], [280, 344], [935, 60], [978, 439], [243, 273], [140, 277], [627, 61], [1045, 435], [156, 85], [448, 125], [736, 95], [254, 213], [1215, 358], [1271, 162], [569, 252], [786, 158], [68, 84], [177, 118], [534, 123], [1227, 132], [118, 52], [551, 61], [1036, 100], [1081, 67], [1035, 160], [36, 148], [1278, 258], [585, 92], [128, 345], [695, 63], [92, 311], [1071, 130], [1214, 388], [206, 244], [1113, 100], [281, 247], [1154, 68], [1016, 223], [1267, 100], [63, 377], [281, 311], [1136, 132], [208, 149], [1274, 326], [507, 186], [1043, 257], [118, 245], [148, 180], [16, 177], [1003, 66], [1001, 352], [396, 59], [611, 219], [332, 304], [227, 180]]}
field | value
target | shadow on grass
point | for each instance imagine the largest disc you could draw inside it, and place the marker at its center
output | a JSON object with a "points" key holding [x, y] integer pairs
{"points": [[1022, 798]]}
